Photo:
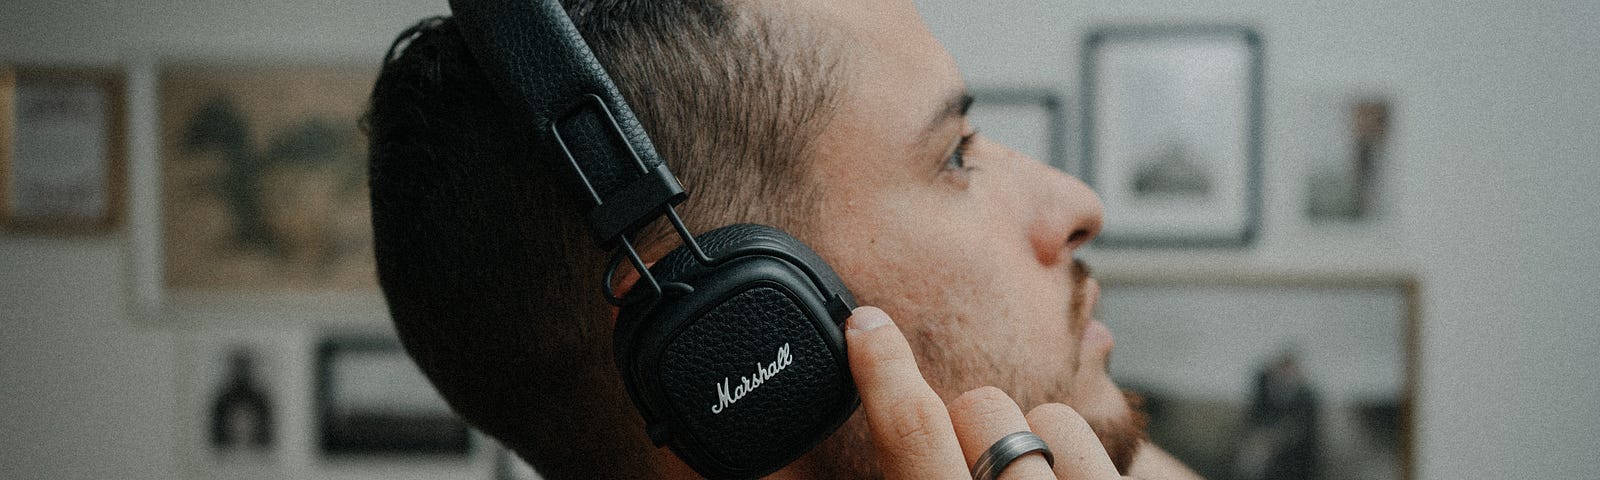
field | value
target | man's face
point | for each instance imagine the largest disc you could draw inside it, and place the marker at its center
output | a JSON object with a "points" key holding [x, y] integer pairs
{"points": [[967, 245]]}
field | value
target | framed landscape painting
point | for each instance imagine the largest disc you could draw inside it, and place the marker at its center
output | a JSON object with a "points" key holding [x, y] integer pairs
{"points": [[263, 179]]}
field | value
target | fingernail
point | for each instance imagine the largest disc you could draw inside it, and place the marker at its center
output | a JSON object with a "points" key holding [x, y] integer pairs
{"points": [[867, 318]]}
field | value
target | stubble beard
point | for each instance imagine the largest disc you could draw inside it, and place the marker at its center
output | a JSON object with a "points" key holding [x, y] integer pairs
{"points": [[1123, 435], [949, 363], [1119, 421], [849, 452]]}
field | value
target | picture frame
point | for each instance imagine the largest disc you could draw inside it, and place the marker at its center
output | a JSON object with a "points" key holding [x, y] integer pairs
{"points": [[1031, 121], [1202, 347], [190, 267], [1344, 180], [1171, 134], [372, 400], [63, 149], [263, 179]]}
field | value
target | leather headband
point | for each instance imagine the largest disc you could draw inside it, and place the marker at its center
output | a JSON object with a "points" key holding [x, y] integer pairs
{"points": [[540, 65]]}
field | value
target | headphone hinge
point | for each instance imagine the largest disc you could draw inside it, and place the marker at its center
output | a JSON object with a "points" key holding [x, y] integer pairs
{"points": [[622, 210], [639, 203]]}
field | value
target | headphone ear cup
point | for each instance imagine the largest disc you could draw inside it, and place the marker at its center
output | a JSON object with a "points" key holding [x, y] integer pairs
{"points": [[748, 371], [681, 263]]}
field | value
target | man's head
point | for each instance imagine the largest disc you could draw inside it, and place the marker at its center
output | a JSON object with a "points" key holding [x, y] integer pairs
{"points": [[841, 122], [491, 278], [965, 242]]}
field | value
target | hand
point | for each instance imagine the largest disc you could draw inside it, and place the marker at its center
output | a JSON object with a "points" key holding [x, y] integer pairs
{"points": [[917, 436]]}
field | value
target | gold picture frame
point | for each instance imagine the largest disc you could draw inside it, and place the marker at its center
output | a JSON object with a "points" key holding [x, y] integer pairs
{"points": [[63, 149], [1355, 335]]}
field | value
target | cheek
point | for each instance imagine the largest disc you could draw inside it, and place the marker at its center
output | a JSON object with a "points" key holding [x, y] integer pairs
{"points": [[957, 272]]}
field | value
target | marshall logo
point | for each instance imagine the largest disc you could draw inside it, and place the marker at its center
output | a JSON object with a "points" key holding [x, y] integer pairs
{"points": [[728, 393]]}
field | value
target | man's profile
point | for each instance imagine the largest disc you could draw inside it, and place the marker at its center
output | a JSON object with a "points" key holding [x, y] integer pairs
{"points": [[841, 122]]}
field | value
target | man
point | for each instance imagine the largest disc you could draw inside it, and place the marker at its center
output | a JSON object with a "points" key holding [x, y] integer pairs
{"points": [[839, 121]]}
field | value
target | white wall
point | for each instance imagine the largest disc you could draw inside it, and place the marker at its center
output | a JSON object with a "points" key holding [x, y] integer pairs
{"points": [[1495, 133], [87, 391]]}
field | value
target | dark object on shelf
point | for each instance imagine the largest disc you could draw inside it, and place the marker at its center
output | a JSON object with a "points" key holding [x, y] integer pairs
{"points": [[241, 415]]}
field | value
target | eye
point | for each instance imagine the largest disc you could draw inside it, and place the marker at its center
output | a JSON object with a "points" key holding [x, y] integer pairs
{"points": [[957, 162]]}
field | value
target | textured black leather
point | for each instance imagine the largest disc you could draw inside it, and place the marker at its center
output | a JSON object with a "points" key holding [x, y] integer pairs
{"points": [[541, 66], [767, 290], [740, 367], [681, 265], [736, 340]]}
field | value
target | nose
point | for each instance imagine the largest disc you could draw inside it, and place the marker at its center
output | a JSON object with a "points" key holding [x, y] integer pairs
{"points": [[1067, 214]]}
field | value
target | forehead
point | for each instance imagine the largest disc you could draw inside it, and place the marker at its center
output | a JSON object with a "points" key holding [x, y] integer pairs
{"points": [[881, 40], [897, 75]]}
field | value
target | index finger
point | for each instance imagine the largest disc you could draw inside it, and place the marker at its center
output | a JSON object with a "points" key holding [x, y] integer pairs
{"points": [[1078, 452], [910, 426]]}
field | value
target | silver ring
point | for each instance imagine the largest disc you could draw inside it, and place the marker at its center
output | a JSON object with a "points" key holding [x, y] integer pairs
{"points": [[1006, 450]]}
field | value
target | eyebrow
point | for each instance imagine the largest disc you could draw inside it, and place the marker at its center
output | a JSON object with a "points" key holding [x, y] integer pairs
{"points": [[955, 106]]}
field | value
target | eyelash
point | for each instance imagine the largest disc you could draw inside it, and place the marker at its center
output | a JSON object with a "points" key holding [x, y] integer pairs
{"points": [[958, 158]]}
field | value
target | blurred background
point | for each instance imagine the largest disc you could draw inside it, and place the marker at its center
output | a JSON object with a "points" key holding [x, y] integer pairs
{"points": [[1404, 287]]}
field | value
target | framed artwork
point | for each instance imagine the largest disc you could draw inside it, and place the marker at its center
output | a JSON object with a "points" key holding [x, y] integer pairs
{"points": [[371, 400], [263, 181], [62, 149], [1171, 134], [1272, 376], [1030, 121], [1343, 183]]}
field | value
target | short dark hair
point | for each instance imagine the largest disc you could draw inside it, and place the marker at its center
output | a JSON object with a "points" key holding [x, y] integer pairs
{"points": [[488, 270]]}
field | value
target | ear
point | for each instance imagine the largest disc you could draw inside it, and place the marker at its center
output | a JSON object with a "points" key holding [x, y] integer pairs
{"points": [[627, 278]]}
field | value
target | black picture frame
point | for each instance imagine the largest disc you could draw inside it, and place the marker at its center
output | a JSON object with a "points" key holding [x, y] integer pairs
{"points": [[1170, 173], [1032, 121], [399, 416]]}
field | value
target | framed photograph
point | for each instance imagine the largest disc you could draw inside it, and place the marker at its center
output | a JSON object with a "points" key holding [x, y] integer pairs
{"points": [[1272, 376], [263, 180], [1171, 134], [1030, 121], [62, 149], [372, 400]]}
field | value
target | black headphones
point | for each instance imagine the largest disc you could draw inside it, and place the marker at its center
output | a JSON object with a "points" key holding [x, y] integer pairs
{"points": [[731, 346]]}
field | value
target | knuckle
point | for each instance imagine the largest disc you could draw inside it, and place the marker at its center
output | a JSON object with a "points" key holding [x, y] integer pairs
{"points": [[915, 422], [983, 406], [877, 355], [1058, 411], [1058, 415], [981, 402]]}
